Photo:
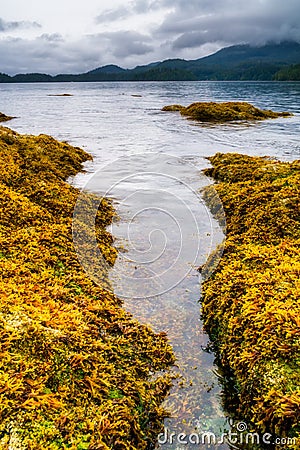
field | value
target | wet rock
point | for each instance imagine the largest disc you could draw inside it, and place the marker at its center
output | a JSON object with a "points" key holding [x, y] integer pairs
{"points": [[173, 108], [4, 118], [60, 95]]}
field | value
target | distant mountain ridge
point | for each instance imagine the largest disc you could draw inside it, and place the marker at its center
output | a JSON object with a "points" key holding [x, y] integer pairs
{"points": [[237, 62], [111, 68], [285, 52]]}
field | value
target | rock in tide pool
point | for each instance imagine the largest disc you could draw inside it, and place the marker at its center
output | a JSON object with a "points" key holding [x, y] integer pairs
{"points": [[224, 112]]}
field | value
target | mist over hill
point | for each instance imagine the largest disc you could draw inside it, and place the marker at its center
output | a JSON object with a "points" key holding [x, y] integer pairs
{"points": [[272, 61]]}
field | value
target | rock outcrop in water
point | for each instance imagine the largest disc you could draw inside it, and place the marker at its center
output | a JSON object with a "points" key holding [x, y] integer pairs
{"points": [[74, 366], [60, 95], [4, 118], [251, 303], [224, 112]]}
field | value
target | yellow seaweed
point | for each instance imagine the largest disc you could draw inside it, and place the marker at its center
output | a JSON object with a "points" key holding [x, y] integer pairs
{"points": [[224, 112], [251, 302], [70, 377]]}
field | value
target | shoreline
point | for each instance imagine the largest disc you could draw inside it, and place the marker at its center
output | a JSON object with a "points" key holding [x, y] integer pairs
{"points": [[250, 304], [153, 81], [38, 205], [76, 367]]}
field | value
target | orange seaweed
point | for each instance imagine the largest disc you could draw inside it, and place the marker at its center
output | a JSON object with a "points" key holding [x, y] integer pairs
{"points": [[251, 302], [69, 375]]}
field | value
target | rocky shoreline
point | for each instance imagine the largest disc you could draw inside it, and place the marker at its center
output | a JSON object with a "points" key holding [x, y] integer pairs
{"points": [[75, 367], [251, 302]]}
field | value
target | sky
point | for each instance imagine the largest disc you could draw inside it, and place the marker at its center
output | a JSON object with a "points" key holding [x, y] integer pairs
{"points": [[69, 36]]}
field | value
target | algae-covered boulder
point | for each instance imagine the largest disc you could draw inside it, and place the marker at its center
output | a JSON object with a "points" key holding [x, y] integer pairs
{"points": [[224, 112], [4, 118]]}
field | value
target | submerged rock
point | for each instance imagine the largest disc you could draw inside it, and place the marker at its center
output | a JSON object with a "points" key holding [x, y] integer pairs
{"points": [[224, 112]]}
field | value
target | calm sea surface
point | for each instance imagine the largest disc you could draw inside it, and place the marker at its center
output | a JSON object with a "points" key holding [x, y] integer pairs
{"points": [[149, 163]]}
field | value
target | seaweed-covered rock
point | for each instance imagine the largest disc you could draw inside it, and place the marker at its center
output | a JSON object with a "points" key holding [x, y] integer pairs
{"points": [[173, 108], [74, 366], [251, 303], [4, 118], [224, 112]]}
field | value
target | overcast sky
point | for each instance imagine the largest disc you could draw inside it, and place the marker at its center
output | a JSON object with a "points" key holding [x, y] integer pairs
{"points": [[71, 36]]}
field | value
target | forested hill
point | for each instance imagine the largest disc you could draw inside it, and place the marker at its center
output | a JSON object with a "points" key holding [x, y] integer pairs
{"points": [[238, 62], [290, 73]]}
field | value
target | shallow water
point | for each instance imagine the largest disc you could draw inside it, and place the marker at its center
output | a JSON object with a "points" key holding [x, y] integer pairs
{"points": [[149, 162]]}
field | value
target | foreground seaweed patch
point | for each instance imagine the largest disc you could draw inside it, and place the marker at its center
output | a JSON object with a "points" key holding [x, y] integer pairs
{"points": [[251, 303], [224, 112], [74, 367]]}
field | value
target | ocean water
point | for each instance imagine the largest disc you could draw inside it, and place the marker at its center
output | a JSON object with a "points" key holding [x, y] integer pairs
{"points": [[149, 162]]}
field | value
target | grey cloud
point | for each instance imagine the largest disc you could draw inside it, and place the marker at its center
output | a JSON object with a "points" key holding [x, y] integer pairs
{"points": [[187, 29], [41, 55], [54, 37], [15, 25], [144, 6], [52, 54], [110, 15], [135, 7], [192, 39], [123, 44], [195, 23]]}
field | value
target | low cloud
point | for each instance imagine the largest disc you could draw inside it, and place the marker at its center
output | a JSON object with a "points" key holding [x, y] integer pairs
{"points": [[170, 29], [17, 25], [188, 29], [111, 15], [133, 8], [53, 38], [196, 23], [47, 54], [122, 44], [51, 53]]}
